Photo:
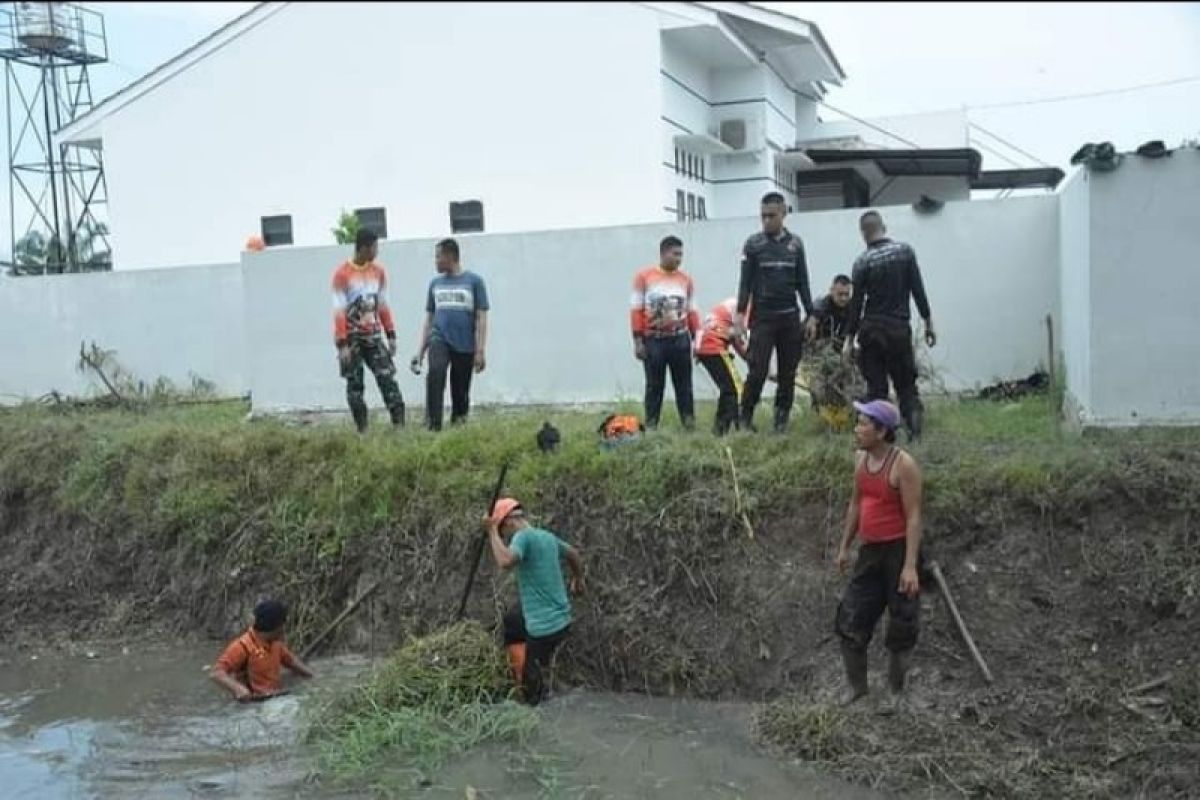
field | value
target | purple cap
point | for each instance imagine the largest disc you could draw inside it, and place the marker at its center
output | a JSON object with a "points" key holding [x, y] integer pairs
{"points": [[881, 411]]}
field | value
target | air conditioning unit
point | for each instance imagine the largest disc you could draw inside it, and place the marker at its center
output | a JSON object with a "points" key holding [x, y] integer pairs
{"points": [[733, 133]]}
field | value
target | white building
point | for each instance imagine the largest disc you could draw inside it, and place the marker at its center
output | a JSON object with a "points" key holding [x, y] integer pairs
{"points": [[549, 115]]}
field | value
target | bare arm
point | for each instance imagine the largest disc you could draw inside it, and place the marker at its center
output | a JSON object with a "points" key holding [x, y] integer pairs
{"points": [[297, 666], [575, 564], [908, 476], [423, 341], [851, 527], [230, 684], [505, 558], [480, 331]]}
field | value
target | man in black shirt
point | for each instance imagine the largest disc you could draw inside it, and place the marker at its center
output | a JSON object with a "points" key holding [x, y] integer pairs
{"points": [[885, 276], [831, 313], [774, 272]]}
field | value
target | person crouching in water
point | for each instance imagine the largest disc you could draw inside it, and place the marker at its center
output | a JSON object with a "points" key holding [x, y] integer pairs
{"points": [[544, 618], [251, 665]]}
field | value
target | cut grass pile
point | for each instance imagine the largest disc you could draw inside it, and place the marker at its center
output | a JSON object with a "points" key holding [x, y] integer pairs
{"points": [[434, 698]]}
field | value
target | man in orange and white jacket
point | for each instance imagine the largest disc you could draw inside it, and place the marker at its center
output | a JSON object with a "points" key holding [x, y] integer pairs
{"points": [[361, 318], [664, 320]]}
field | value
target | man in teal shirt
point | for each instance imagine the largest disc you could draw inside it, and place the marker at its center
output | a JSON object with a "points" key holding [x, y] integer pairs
{"points": [[537, 555]]}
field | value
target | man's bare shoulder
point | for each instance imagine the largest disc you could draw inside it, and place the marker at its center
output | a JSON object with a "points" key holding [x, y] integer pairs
{"points": [[905, 462]]}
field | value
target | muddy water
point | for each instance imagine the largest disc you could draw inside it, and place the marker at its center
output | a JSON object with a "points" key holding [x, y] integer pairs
{"points": [[145, 722]]}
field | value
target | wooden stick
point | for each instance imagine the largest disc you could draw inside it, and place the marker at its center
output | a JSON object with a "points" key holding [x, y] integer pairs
{"points": [[738, 508], [480, 542], [1150, 686], [350, 609], [958, 620]]}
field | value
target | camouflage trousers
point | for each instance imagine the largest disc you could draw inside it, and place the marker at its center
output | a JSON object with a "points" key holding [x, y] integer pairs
{"points": [[373, 353]]}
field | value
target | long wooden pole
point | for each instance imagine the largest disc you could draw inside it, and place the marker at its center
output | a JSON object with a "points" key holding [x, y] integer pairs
{"points": [[479, 543], [350, 609], [738, 508], [958, 620]]}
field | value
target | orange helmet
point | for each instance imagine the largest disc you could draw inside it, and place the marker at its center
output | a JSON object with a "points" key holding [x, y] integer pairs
{"points": [[505, 506], [255, 243]]}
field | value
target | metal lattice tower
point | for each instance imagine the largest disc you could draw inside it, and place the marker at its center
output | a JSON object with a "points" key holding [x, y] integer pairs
{"points": [[57, 192]]}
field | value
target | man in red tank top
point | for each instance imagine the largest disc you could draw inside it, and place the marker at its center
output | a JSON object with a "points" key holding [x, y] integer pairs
{"points": [[885, 513]]}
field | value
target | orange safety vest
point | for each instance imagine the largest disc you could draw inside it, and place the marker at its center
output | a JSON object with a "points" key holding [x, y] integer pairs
{"points": [[618, 425]]}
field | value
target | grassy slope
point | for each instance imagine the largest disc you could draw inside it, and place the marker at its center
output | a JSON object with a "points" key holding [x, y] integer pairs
{"points": [[111, 520]]}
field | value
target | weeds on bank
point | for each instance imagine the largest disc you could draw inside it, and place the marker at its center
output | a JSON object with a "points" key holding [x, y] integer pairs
{"points": [[301, 502], [434, 698]]}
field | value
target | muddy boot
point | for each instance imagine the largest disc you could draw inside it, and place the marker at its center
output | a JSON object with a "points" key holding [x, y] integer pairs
{"points": [[897, 670], [855, 662], [781, 420]]}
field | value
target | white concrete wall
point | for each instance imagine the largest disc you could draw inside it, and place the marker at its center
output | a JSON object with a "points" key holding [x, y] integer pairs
{"points": [[1145, 278], [688, 110], [1074, 216], [780, 112], [167, 322], [408, 106], [1125, 294], [560, 315]]}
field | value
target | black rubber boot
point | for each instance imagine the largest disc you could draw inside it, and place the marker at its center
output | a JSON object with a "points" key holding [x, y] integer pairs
{"points": [[781, 420], [747, 423], [398, 416], [360, 419], [897, 670], [689, 424], [855, 661]]}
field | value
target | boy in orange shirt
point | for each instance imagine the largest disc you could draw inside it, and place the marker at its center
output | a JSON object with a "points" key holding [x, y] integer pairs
{"points": [[251, 665], [664, 320]]}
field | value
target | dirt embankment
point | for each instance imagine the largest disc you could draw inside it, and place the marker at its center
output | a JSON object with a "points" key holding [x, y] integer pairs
{"points": [[1075, 565]]}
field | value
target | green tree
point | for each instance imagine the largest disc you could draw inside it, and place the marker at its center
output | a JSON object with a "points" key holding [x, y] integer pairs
{"points": [[347, 228], [92, 253], [35, 253]]}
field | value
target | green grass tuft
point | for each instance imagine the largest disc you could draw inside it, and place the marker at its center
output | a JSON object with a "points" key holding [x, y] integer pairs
{"points": [[434, 698]]}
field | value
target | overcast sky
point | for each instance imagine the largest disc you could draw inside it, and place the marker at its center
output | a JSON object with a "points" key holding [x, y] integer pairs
{"points": [[905, 58], [901, 58]]}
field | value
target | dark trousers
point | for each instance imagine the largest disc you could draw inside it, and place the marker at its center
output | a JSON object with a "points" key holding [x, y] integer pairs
{"points": [[723, 372], [886, 351], [673, 353], [461, 367], [785, 337], [372, 352], [874, 586], [539, 653]]}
